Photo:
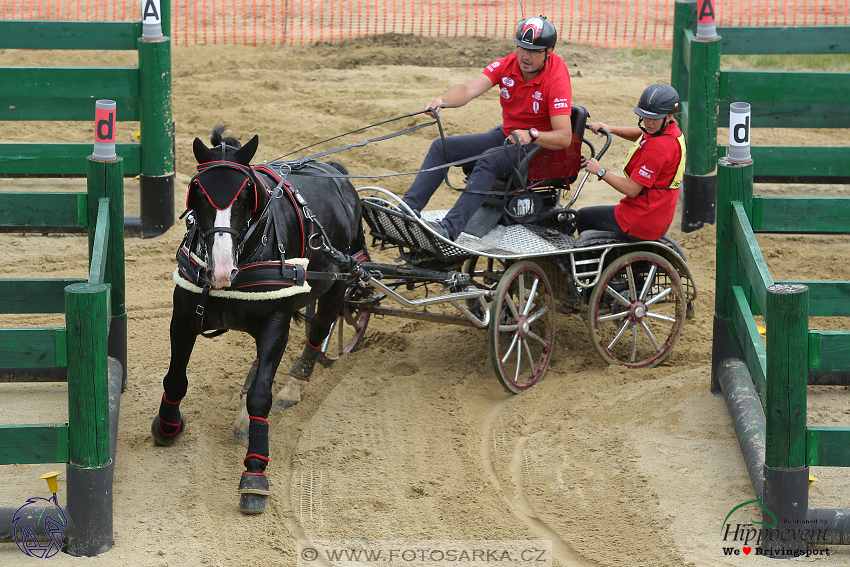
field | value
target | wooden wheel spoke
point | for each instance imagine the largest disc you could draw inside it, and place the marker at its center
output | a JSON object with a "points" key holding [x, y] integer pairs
{"points": [[647, 285], [650, 335], [660, 296], [616, 295]]}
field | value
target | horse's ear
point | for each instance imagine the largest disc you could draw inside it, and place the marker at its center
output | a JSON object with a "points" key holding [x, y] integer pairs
{"points": [[202, 153], [245, 154]]}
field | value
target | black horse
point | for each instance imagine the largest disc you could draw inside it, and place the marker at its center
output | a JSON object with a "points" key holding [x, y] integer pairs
{"points": [[262, 243]]}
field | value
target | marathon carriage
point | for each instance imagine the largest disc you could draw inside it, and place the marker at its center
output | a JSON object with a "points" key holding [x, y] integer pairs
{"points": [[511, 277]]}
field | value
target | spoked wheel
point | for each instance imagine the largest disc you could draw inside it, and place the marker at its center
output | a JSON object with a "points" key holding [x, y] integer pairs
{"points": [[636, 310], [522, 326], [485, 271], [349, 328]]}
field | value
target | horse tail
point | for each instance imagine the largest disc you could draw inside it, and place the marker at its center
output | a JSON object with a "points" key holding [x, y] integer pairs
{"points": [[217, 137], [299, 317]]}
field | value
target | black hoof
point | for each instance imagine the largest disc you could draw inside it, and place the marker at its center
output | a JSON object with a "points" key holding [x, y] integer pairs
{"points": [[253, 493], [163, 438]]}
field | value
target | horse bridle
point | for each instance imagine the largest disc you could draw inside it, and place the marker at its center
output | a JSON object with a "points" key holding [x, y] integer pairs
{"points": [[239, 236]]}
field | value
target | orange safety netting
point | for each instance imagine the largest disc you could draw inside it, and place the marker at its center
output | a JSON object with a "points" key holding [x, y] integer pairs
{"points": [[607, 23]]}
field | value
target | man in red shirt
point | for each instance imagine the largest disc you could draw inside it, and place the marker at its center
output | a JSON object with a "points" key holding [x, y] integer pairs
{"points": [[653, 171], [535, 94]]}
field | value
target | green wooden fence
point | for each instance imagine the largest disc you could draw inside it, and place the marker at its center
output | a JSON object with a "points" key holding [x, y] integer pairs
{"points": [[792, 355], [92, 347], [778, 99], [142, 93]]}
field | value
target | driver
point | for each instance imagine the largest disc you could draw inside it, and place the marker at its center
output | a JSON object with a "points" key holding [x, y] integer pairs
{"points": [[653, 171], [535, 94]]}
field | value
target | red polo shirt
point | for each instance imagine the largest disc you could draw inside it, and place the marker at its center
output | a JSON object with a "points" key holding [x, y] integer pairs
{"points": [[648, 215], [532, 104]]}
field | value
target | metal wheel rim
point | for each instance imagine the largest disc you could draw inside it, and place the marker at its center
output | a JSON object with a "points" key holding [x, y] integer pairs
{"points": [[522, 328], [655, 310]]}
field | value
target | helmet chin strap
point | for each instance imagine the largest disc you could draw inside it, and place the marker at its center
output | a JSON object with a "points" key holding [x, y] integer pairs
{"points": [[660, 130]]}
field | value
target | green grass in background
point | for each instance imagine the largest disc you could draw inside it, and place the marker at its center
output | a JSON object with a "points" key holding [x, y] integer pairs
{"points": [[838, 63]]}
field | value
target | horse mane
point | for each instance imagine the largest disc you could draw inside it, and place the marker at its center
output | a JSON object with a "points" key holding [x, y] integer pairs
{"points": [[218, 137]]}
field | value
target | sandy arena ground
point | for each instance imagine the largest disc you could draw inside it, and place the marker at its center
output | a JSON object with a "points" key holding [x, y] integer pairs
{"points": [[412, 437]]}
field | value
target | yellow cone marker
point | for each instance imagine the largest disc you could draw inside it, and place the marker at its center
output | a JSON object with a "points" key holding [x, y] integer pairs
{"points": [[811, 480], [51, 480]]}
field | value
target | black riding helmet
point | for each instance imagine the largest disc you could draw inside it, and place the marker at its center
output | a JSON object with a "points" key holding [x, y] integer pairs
{"points": [[657, 101], [536, 33]]}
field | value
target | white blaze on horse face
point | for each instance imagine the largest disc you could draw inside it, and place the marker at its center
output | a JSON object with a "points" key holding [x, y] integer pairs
{"points": [[222, 253]]}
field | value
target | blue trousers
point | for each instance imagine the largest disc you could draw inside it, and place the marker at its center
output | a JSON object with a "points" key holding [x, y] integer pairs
{"points": [[499, 165]]}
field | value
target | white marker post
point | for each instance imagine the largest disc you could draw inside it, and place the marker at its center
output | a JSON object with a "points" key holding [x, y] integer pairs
{"points": [[706, 29], [104, 130], [739, 132], [151, 20]]}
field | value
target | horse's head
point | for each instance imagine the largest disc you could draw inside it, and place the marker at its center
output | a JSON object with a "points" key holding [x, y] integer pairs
{"points": [[223, 195]]}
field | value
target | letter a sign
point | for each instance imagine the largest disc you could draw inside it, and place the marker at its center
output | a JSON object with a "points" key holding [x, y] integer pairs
{"points": [[705, 12], [151, 14]]}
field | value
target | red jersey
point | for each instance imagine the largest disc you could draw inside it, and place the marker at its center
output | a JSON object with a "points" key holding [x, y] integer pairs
{"points": [[531, 105], [657, 164]]}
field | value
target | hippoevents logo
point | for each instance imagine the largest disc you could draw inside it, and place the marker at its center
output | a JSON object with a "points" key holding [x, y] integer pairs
{"points": [[771, 539], [25, 524]]}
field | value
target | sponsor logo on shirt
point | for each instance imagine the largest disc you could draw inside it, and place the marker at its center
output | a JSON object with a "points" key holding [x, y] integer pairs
{"points": [[492, 66], [536, 107], [561, 105], [505, 94], [560, 99], [507, 81], [643, 171], [537, 95]]}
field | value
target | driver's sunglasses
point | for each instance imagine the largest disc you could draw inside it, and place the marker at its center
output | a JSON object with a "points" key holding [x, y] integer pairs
{"points": [[531, 51]]}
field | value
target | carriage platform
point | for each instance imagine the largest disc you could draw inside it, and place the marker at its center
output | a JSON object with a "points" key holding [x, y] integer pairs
{"points": [[392, 222]]}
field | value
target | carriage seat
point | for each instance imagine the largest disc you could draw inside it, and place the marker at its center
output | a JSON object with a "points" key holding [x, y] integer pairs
{"points": [[543, 172], [551, 168], [597, 237]]}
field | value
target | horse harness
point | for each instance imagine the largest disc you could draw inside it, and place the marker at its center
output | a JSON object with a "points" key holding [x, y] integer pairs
{"points": [[260, 276]]}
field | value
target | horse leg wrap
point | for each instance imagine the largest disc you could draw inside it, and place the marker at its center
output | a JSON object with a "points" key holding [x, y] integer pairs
{"points": [[258, 445], [304, 368], [254, 486], [169, 423]]}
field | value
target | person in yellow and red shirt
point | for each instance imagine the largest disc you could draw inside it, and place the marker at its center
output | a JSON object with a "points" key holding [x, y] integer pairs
{"points": [[535, 94], [653, 171]]}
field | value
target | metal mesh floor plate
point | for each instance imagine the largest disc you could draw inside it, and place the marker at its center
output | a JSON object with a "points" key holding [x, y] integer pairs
{"points": [[512, 241]]}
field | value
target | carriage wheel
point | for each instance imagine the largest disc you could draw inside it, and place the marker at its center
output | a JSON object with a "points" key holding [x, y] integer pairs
{"points": [[522, 326], [488, 271], [636, 310]]}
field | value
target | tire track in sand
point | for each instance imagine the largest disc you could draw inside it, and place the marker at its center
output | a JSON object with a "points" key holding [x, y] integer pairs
{"points": [[491, 439]]}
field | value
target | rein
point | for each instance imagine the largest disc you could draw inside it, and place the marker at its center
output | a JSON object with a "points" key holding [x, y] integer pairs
{"points": [[446, 166]]}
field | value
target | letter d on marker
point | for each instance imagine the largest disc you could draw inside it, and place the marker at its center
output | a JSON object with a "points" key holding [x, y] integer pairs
{"points": [[104, 130], [739, 132]]}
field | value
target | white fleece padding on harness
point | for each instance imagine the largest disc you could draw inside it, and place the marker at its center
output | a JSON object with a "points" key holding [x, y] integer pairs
{"points": [[246, 295]]}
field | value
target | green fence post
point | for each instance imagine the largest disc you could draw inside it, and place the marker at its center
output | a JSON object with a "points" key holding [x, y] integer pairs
{"points": [[786, 475], [684, 17], [90, 466], [106, 179], [734, 183], [699, 184], [157, 137]]}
